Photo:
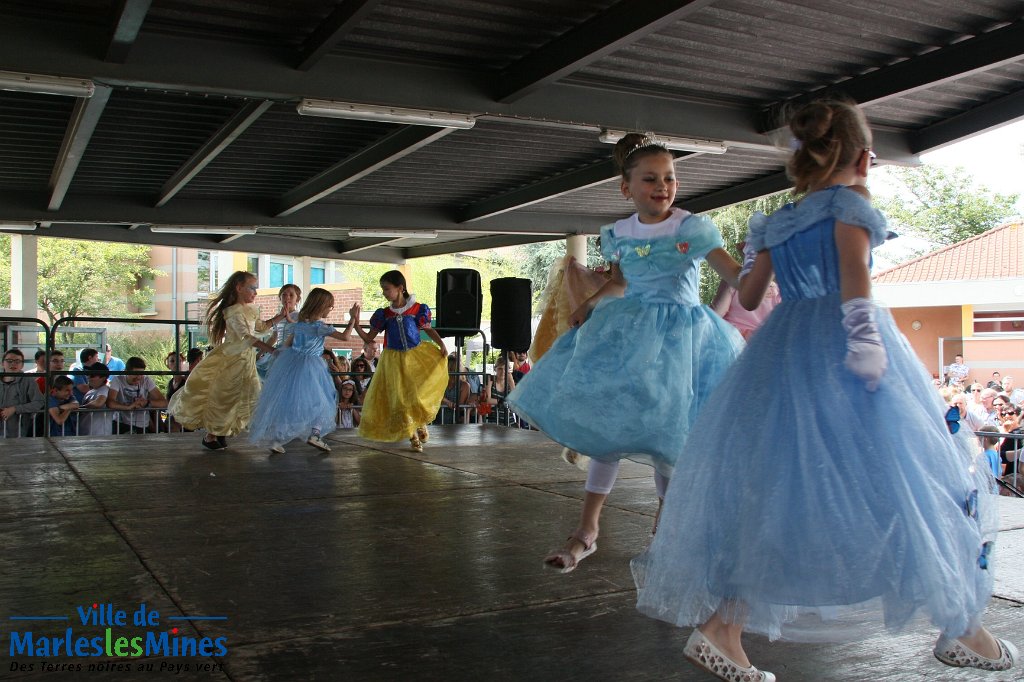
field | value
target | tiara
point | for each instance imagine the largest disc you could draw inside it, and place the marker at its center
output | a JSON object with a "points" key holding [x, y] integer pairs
{"points": [[647, 143]]}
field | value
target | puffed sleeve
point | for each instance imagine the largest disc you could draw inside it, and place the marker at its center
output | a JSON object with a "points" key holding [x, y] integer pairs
{"points": [[699, 236], [377, 320], [239, 320], [853, 209], [423, 316]]}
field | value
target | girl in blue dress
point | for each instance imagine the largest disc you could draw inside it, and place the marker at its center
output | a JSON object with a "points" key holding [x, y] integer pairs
{"points": [[628, 381], [411, 377], [854, 506], [289, 295], [299, 399]]}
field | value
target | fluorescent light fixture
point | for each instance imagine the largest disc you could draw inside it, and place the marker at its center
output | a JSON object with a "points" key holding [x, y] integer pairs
{"points": [[201, 229], [47, 85], [369, 112], [18, 227], [683, 144], [395, 234]]}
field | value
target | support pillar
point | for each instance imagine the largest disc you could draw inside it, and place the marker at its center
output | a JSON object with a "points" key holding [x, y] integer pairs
{"points": [[24, 272]]}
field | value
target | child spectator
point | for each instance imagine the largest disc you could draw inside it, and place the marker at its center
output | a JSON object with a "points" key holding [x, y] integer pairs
{"points": [[62, 408], [96, 419], [19, 397], [131, 394], [348, 407]]}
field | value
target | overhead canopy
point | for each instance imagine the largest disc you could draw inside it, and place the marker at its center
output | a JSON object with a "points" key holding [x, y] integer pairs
{"points": [[193, 121]]}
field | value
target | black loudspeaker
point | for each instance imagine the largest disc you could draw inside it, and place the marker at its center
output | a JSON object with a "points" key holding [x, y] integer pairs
{"points": [[510, 314], [459, 301]]}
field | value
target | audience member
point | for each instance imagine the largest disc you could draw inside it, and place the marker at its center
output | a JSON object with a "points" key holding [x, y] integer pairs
{"points": [[1016, 394], [56, 365], [496, 389], [996, 382], [348, 407], [362, 373], [957, 372], [20, 397], [455, 401], [520, 365], [175, 362], [1010, 424], [40, 366], [194, 357], [94, 418], [87, 356], [115, 364], [62, 407], [131, 394], [982, 414], [370, 354]]}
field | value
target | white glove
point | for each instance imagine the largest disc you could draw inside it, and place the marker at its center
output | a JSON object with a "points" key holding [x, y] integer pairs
{"points": [[749, 256], [865, 352]]}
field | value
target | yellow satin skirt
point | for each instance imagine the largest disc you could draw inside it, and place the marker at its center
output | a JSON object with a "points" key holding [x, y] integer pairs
{"points": [[405, 392], [220, 394]]}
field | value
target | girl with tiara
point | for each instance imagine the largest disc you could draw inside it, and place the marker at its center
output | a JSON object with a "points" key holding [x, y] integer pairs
{"points": [[299, 399], [855, 506], [221, 392], [628, 381], [411, 377], [289, 295]]}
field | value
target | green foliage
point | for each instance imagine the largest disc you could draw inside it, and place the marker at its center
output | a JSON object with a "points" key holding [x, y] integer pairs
{"points": [[943, 205], [152, 346], [86, 278], [422, 276], [535, 260], [732, 222]]}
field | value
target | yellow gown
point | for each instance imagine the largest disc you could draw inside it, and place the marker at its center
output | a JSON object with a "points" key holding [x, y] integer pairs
{"points": [[221, 392]]}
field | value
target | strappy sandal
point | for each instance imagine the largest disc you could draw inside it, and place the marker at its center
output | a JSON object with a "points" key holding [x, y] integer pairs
{"points": [[422, 434], [568, 561]]}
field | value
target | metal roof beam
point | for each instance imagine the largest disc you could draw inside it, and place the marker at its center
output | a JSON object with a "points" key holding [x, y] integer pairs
{"points": [[476, 244], [128, 20], [622, 24], [181, 64], [333, 30], [769, 184], [402, 142], [84, 117], [357, 244], [981, 53], [228, 133], [564, 183], [993, 114]]}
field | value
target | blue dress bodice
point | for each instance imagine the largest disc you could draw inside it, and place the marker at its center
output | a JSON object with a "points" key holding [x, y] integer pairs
{"points": [[801, 239], [663, 268], [308, 337]]}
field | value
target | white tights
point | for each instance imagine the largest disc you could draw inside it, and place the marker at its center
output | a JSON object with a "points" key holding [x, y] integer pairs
{"points": [[601, 478]]}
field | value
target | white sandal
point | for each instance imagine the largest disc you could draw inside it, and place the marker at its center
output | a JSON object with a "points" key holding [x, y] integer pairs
{"points": [[565, 557]]}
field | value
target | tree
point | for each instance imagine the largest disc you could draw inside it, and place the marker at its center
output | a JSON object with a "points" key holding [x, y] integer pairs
{"points": [[535, 261], [87, 278], [732, 222], [422, 278], [943, 205]]}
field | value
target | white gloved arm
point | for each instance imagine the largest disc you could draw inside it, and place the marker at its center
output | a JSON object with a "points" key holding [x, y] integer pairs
{"points": [[865, 352], [749, 256]]}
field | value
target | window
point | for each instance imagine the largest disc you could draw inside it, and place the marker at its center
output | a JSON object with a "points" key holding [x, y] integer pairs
{"points": [[253, 264], [999, 322], [281, 274], [203, 272], [316, 275]]}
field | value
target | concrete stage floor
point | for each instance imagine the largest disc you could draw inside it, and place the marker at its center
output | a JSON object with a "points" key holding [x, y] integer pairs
{"points": [[371, 563]]}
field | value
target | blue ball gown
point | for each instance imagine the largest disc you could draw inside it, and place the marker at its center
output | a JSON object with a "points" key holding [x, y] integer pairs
{"points": [[631, 379], [299, 393], [813, 509]]}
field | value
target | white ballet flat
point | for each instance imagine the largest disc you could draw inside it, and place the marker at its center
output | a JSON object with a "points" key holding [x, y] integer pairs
{"points": [[955, 653], [702, 653]]}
